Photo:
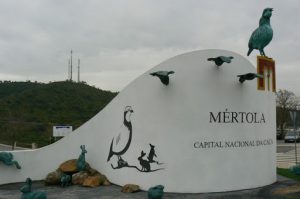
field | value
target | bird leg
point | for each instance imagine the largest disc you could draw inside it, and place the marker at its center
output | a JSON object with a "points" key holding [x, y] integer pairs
{"points": [[262, 53]]}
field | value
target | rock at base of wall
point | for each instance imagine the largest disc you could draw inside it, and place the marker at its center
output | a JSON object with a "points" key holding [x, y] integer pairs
{"points": [[92, 181], [106, 182], [53, 178], [90, 177], [78, 178], [130, 188], [69, 166]]}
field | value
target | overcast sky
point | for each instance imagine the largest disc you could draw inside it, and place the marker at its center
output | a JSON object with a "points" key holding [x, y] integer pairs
{"points": [[118, 40]]}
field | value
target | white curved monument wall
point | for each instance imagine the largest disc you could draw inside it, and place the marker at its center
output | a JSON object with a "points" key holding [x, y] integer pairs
{"points": [[209, 133]]}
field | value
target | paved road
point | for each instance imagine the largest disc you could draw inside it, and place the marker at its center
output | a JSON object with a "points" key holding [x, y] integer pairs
{"points": [[11, 191], [286, 154]]}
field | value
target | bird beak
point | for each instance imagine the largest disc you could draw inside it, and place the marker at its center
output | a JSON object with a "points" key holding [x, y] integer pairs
{"points": [[271, 9]]}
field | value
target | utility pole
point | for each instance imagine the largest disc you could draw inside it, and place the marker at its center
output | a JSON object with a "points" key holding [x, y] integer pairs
{"points": [[71, 66], [78, 78]]}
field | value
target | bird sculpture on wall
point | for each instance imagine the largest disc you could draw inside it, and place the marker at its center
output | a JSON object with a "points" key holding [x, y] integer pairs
{"points": [[220, 60], [249, 76], [120, 145], [262, 35], [163, 76]]}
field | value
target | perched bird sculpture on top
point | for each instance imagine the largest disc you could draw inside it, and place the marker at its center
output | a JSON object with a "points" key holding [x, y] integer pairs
{"points": [[220, 60], [262, 36], [249, 76], [163, 76]]}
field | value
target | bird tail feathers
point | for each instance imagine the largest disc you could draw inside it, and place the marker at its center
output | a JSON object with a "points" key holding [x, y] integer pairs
{"points": [[249, 51]]}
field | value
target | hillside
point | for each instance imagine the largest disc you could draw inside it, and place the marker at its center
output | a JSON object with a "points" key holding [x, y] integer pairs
{"points": [[28, 111], [8, 88]]}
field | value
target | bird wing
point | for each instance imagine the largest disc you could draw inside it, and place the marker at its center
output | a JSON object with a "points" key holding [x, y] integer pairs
{"points": [[118, 139], [225, 59], [164, 79], [261, 37], [254, 39], [121, 139]]}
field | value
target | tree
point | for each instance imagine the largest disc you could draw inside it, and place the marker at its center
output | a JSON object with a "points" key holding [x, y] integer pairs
{"points": [[285, 101]]}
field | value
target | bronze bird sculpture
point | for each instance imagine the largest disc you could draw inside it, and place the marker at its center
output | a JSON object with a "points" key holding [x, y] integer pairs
{"points": [[220, 60], [163, 76], [249, 76], [262, 35]]}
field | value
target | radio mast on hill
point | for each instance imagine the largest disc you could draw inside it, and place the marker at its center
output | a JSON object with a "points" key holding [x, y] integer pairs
{"points": [[71, 67], [78, 70]]}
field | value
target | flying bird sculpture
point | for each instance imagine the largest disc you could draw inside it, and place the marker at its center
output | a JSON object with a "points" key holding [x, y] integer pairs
{"points": [[249, 76], [163, 76], [262, 35], [220, 60]]}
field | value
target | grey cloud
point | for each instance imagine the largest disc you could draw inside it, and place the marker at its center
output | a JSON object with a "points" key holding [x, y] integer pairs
{"points": [[128, 37]]}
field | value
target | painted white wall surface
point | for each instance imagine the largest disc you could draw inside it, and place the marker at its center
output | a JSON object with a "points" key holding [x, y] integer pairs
{"points": [[195, 152]]}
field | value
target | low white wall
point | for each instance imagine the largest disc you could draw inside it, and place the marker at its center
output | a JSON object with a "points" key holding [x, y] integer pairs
{"points": [[195, 150]]}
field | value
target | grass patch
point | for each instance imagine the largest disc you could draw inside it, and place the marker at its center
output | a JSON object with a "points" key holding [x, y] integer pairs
{"points": [[287, 173]]}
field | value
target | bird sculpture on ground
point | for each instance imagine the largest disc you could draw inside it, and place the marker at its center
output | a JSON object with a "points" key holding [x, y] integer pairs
{"points": [[220, 60], [156, 192], [27, 193], [249, 76], [262, 35], [163, 76], [119, 146]]}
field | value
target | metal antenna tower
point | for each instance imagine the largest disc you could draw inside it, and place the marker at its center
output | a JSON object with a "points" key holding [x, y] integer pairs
{"points": [[78, 70], [68, 69], [71, 66]]}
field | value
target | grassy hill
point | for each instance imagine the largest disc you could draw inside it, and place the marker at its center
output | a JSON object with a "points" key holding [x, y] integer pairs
{"points": [[8, 88], [28, 111]]}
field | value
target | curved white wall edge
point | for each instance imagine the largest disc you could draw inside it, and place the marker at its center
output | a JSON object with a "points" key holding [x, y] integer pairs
{"points": [[209, 133]]}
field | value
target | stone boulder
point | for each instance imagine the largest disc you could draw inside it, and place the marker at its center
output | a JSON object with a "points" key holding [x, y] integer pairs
{"points": [[90, 177], [79, 178], [130, 188], [69, 166], [91, 171], [53, 178], [106, 182], [92, 181], [96, 180]]}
